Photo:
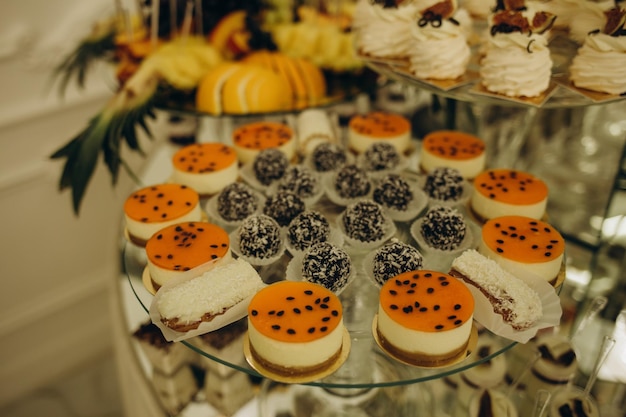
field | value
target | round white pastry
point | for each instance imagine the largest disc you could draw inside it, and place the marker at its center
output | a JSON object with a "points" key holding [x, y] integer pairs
{"points": [[599, 64], [438, 52], [364, 130], [516, 65]]}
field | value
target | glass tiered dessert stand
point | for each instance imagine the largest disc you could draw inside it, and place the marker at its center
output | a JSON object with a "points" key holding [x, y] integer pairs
{"points": [[570, 141]]}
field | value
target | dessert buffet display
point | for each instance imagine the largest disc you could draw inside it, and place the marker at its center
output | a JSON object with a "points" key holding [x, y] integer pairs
{"points": [[429, 284]]}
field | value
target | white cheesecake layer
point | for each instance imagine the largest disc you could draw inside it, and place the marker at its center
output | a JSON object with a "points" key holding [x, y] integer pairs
{"points": [[415, 341], [296, 354], [488, 208], [468, 168], [207, 183], [161, 275], [247, 155], [547, 270], [145, 230], [359, 143]]}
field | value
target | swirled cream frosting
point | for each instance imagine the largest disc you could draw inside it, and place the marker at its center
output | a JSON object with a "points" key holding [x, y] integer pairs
{"points": [[600, 64], [516, 65], [383, 32], [439, 49]]}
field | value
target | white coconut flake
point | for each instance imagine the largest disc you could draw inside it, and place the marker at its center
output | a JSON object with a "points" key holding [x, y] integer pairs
{"points": [[512, 293], [211, 293]]}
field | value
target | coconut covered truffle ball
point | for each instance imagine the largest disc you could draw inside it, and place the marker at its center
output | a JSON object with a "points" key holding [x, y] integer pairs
{"points": [[259, 237], [393, 192], [327, 265], [328, 156], [380, 156], [394, 258], [443, 228], [283, 207], [236, 202], [352, 182], [269, 165], [444, 184], [299, 180], [308, 228], [364, 221]]}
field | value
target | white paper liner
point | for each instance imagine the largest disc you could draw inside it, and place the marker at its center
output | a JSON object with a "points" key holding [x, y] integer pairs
{"points": [[550, 303], [229, 225], [328, 182], [437, 259], [466, 193], [293, 272], [335, 237], [414, 208], [389, 229], [231, 315], [234, 246]]}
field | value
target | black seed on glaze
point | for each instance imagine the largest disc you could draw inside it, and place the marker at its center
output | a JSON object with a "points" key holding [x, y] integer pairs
{"points": [[308, 292], [280, 313], [423, 309], [311, 330], [436, 307], [323, 329], [439, 327], [458, 322], [290, 298], [291, 331], [275, 327], [430, 290], [393, 307], [445, 284], [297, 310], [255, 313], [335, 313], [457, 306], [308, 307]]}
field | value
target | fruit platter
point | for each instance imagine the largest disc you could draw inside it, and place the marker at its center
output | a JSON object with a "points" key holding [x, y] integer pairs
{"points": [[206, 58]]}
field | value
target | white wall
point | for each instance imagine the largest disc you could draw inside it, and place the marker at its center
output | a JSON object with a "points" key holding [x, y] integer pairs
{"points": [[56, 269]]}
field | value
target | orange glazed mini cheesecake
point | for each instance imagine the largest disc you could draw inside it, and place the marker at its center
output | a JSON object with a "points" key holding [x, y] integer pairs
{"points": [[150, 209], [295, 328], [425, 317], [184, 246], [503, 192], [364, 130], [453, 149], [522, 244], [205, 167], [252, 138]]}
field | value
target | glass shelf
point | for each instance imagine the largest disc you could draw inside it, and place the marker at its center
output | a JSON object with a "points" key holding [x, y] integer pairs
{"points": [[367, 365], [562, 51]]}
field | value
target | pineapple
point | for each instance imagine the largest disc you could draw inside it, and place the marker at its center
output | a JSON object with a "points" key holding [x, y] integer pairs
{"points": [[180, 64]]}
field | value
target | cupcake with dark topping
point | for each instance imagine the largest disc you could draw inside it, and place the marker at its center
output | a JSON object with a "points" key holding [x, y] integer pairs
{"points": [[327, 265], [269, 165], [394, 258], [258, 238], [364, 222], [283, 207], [393, 192], [351, 182], [443, 228], [306, 229], [301, 181], [445, 184], [236, 202], [328, 156], [380, 156]]}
